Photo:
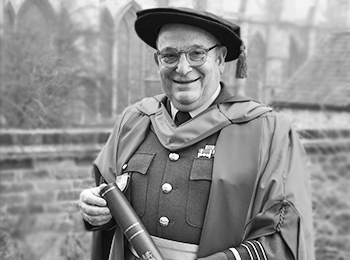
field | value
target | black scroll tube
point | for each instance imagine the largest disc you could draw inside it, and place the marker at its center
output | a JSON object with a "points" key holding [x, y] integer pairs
{"points": [[130, 223]]}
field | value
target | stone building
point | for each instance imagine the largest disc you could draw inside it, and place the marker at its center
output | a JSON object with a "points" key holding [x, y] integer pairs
{"points": [[318, 94], [279, 36]]}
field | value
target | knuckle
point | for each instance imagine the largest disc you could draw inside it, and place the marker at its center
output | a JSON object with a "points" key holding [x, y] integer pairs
{"points": [[83, 195], [89, 211]]}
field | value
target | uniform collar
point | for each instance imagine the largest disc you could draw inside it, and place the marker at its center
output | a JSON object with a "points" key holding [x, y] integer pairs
{"points": [[199, 110]]}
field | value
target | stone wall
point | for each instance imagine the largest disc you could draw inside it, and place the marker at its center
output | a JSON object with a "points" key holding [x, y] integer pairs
{"points": [[330, 179], [42, 173]]}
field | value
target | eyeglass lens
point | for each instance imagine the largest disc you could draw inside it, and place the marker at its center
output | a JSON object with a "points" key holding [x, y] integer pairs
{"points": [[195, 57]]}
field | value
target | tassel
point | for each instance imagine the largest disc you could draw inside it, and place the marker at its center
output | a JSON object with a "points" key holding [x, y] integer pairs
{"points": [[241, 66]]}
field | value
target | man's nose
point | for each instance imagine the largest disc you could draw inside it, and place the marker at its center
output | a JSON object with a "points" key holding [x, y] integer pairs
{"points": [[183, 67]]}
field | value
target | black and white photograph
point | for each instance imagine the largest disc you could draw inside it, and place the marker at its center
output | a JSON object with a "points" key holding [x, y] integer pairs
{"points": [[174, 129]]}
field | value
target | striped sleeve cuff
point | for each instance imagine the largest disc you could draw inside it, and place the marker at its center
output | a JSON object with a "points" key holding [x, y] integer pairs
{"points": [[235, 254], [249, 250]]}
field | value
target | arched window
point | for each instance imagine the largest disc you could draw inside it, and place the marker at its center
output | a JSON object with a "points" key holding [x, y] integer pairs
{"points": [[106, 61], [35, 17], [151, 76], [296, 57], [129, 83], [9, 17], [256, 67]]}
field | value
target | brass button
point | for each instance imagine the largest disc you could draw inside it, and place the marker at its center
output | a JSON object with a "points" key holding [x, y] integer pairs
{"points": [[174, 157], [164, 221], [167, 188], [125, 166]]}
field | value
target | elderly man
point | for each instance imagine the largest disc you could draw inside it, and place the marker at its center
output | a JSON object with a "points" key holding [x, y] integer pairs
{"points": [[213, 175]]}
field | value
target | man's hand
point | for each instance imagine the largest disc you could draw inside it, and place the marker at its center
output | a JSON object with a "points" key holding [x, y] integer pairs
{"points": [[93, 207]]}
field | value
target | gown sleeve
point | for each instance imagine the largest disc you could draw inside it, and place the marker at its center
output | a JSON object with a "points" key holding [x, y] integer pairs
{"points": [[279, 224]]}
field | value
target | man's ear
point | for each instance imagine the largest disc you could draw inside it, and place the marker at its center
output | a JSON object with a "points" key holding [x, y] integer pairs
{"points": [[221, 58], [156, 58], [222, 54]]}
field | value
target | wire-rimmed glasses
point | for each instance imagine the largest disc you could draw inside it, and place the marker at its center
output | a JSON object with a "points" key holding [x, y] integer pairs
{"points": [[195, 57]]}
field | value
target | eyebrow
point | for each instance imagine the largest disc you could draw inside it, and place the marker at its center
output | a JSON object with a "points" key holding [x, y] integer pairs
{"points": [[195, 46]]}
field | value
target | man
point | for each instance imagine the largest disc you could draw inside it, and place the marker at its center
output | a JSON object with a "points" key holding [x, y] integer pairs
{"points": [[228, 183]]}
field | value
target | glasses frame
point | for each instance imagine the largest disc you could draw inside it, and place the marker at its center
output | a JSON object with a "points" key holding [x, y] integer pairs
{"points": [[170, 66]]}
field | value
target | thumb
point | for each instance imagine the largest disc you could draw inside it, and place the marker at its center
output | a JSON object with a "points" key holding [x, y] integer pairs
{"points": [[100, 188], [96, 191]]}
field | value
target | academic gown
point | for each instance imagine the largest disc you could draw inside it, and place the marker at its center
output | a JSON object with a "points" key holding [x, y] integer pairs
{"points": [[260, 185]]}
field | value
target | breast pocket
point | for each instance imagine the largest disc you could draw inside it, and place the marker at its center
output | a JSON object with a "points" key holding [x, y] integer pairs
{"points": [[138, 166], [199, 189]]}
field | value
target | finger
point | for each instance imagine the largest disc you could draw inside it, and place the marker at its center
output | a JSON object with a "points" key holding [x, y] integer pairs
{"points": [[97, 220], [94, 210], [92, 197]]}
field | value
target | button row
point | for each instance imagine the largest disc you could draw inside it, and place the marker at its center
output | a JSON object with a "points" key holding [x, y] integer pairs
{"points": [[166, 188]]}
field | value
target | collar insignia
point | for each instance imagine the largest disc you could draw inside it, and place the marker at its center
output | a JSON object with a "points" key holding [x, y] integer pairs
{"points": [[207, 152]]}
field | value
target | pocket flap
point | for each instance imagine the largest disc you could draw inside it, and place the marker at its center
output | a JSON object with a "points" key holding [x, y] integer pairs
{"points": [[202, 169], [139, 162]]}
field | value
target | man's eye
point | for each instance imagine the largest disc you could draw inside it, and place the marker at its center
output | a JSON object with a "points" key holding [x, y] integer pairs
{"points": [[169, 55], [197, 54]]}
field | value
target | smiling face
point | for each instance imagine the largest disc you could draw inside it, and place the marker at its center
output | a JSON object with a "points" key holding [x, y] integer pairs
{"points": [[189, 87]]}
